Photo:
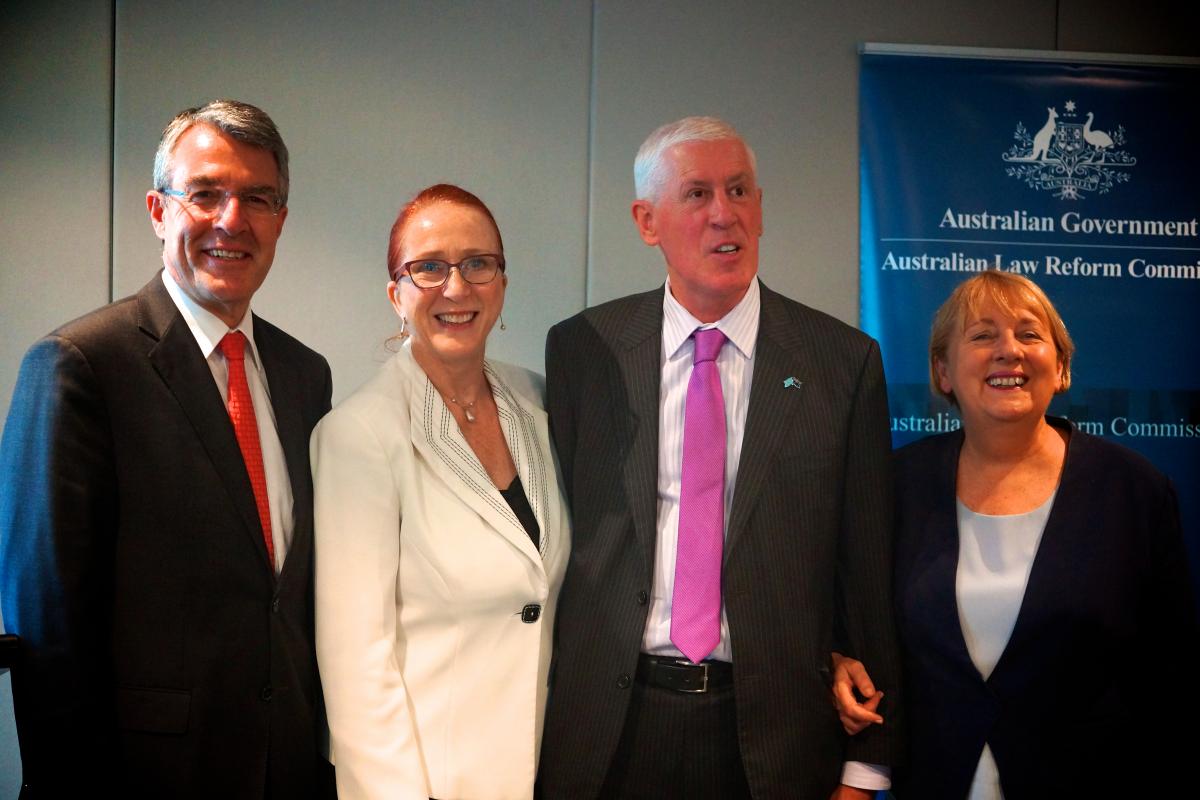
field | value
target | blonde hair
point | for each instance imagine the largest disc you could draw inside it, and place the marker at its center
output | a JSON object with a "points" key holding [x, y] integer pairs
{"points": [[1009, 291]]}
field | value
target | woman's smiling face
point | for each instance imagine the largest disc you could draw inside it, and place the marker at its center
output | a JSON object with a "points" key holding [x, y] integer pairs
{"points": [[1004, 366], [451, 322]]}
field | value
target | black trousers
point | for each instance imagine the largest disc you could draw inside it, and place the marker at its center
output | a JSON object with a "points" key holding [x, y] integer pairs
{"points": [[677, 745]]}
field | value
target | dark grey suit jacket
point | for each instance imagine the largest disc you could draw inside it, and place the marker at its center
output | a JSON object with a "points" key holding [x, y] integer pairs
{"points": [[162, 656], [808, 550]]}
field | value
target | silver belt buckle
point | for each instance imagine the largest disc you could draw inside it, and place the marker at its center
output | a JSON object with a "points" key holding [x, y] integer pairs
{"points": [[703, 682]]}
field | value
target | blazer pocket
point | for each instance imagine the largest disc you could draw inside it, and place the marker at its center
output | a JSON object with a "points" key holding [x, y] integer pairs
{"points": [[153, 710]]}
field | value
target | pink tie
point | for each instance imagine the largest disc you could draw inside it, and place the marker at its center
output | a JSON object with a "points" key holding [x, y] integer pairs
{"points": [[245, 428], [696, 602]]}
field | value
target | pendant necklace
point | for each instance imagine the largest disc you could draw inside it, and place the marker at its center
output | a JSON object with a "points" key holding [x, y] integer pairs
{"points": [[468, 408]]}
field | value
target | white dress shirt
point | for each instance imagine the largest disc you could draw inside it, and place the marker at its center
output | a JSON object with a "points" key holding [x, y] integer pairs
{"points": [[735, 364], [209, 330]]}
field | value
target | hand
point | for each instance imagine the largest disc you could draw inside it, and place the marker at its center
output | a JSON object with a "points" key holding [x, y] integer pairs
{"points": [[850, 675], [844, 792]]}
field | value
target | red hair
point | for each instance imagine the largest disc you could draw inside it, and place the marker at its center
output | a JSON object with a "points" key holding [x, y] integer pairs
{"points": [[438, 193]]}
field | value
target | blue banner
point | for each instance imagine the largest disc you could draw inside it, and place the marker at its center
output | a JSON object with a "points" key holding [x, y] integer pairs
{"points": [[1082, 176]]}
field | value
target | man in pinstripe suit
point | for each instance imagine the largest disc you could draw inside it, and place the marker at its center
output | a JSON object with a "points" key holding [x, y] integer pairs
{"points": [[806, 559]]}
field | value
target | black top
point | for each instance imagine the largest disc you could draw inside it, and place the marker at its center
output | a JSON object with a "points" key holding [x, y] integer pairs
{"points": [[514, 495]]}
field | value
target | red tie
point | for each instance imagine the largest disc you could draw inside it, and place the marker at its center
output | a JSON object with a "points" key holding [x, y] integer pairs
{"points": [[245, 427]]}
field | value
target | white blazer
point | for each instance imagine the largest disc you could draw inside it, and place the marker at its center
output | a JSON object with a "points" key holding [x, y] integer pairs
{"points": [[435, 685]]}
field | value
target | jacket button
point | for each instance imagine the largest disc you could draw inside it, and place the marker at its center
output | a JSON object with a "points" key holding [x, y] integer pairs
{"points": [[642, 598], [265, 694], [275, 605], [623, 681], [531, 613]]}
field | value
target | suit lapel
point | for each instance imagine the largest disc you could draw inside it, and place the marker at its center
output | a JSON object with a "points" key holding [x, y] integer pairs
{"points": [[635, 421], [936, 570], [177, 359], [1061, 541], [526, 431], [781, 352], [282, 383], [450, 459]]}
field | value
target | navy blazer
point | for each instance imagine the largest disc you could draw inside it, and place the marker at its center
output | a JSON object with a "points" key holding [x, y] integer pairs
{"points": [[163, 656], [1084, 694]]}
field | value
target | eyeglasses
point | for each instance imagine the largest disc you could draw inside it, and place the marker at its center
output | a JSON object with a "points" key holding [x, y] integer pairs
{"points": [[212, 200], [430, 273]]}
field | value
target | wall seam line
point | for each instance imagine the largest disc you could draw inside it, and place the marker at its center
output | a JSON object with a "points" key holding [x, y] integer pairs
{"points": [[112, 152], [591, 136]]}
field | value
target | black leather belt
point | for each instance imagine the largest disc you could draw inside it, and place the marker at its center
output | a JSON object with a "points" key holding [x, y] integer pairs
{"points": [[681, 675]]}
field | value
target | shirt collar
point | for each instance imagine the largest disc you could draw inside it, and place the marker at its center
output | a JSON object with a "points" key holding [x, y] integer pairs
{"points": [[207, 328], [740, 325]]}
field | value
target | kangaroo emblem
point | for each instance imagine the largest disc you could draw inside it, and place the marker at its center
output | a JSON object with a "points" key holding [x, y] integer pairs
{"points": [[1069, 157], [1041, 142]]}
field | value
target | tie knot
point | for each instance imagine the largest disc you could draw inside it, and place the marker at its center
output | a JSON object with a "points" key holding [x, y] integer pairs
{"points": [[708, 344], [233, 346]]}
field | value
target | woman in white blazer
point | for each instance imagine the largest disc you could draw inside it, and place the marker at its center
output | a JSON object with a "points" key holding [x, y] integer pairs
{"points": [[441, 535]]}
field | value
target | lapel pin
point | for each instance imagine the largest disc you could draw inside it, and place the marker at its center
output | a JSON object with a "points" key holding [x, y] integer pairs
{"points": [[791, 383]]}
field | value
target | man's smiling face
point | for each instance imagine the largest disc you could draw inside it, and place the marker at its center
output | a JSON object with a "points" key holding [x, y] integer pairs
{"points": [[219, 259]]}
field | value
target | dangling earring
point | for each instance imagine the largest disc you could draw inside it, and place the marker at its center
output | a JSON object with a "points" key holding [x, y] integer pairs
{"points": [[403, 327], [503, 327]]}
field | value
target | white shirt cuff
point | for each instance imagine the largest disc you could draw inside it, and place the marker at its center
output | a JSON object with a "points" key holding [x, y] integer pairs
{"points": [[866, 776]]}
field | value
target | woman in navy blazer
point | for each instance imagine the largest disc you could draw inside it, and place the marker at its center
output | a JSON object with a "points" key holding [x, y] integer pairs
{"points": [[1042, 589]]}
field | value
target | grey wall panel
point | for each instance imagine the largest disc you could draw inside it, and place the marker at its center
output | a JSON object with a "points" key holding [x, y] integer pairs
{"points": [[55, 101], [375, 101], [786, 74], [55, 151]]}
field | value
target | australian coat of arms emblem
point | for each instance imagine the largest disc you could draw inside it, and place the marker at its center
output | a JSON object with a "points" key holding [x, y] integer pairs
{"points": [[1069, 157]]}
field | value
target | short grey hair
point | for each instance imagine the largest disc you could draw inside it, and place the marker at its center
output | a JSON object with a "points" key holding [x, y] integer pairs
{"points": [[244, 122], [648, 177]]}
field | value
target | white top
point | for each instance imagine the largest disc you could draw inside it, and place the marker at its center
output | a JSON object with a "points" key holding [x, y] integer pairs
{"points": [[995, 556], [208, 330], [735, 363]]}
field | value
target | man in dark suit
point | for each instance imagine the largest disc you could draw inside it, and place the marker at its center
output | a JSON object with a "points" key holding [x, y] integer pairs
{"points": [[786, 558], [156, 507]]}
